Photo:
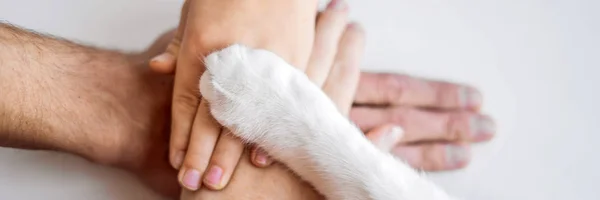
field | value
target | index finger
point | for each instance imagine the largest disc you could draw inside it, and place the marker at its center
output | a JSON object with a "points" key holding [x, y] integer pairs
{"points": [[397, 89], [186, 98]]}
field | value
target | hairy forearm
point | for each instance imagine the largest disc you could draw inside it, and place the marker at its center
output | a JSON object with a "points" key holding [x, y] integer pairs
{"points": [[47, 85]]}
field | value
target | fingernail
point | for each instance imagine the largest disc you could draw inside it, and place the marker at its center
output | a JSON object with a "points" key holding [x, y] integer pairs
{"points": [[191, 179], [482, 127], [261, 157], [470, 98], [337, 5], [456, 155], [391, 138], [164, 57], [177, 159], [213, 177], [355, 26]]}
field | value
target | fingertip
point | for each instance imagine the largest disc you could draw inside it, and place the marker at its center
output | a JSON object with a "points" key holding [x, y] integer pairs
{"points": [[470, 98], [213, 178], [457, 156], [482, 128], [177, 158], [337, 5], [386, 137], [260, 158], [163, 63], [356, 27], [189, 178], [223, 161]]}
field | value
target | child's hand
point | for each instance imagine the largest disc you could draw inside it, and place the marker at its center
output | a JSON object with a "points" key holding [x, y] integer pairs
{"points": [[198, 146]]}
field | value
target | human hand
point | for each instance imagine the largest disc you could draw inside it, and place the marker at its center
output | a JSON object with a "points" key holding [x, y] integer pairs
{"points": [[440, 119], [450, 151], [284, 27], [336, 55], [143, 150]]}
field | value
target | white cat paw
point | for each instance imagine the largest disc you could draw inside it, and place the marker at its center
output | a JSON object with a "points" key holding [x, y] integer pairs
{"points": [[247, 89]]}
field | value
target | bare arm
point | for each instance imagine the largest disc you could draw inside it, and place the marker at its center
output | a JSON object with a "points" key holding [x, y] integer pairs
{"points": [[55, 93], [107, 107]]}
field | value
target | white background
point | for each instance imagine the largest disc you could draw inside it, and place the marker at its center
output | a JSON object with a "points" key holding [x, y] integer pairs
{"points": [[537, 62]]}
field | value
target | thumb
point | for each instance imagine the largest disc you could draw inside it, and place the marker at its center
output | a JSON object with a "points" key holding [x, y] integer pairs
{"points": [[166, 62]]}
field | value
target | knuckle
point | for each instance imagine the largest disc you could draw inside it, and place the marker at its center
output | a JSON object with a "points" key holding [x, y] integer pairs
{"points": [[173, 47], [195, 159], [185, 102], [399, 115], [391, 87], [224, 156], [433, 158], [446, 95], [192, 44], [457, 127]]}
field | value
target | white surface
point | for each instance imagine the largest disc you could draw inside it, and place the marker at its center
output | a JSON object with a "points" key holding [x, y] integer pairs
{"points": [[536, 61]]}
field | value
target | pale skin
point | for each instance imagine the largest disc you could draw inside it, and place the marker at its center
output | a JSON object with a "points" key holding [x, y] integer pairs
{"points": [[132, 136], [339, 81], [213, 158], [284, 27]]}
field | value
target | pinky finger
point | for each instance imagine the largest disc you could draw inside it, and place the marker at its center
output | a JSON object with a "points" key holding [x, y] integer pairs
{"points": [[260, 158], [434, 156]]}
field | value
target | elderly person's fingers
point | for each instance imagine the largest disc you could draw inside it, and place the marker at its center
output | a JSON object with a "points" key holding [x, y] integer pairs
{"points": [[434, 156], [427, 125], [398, 89]]}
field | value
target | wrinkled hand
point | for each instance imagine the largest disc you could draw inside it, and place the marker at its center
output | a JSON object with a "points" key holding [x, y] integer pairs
{"points": [[440, 119]]}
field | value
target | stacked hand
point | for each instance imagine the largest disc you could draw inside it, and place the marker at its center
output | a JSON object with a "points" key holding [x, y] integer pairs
{"points": [[119, 111], [440, 119]]}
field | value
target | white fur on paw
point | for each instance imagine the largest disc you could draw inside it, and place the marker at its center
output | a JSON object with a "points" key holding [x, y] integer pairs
{"points": [[266, 101], [249, 88]]}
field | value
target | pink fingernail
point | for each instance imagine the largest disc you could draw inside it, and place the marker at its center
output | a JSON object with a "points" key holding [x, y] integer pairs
{"points": [[470, 98], [177, 159], [261, 157], [337, 5], [213, 177], [164, 57], [456, 155], [390, 138], [191, 179], [482, 127]]}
